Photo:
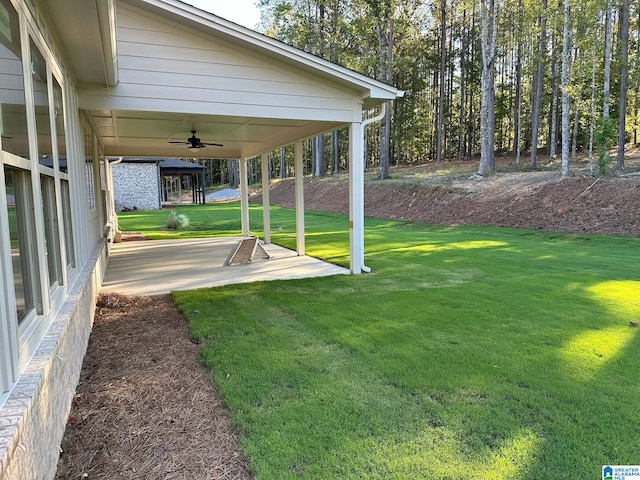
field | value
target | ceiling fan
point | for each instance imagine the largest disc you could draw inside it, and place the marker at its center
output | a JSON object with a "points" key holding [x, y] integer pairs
{"points": [[194, 143]]}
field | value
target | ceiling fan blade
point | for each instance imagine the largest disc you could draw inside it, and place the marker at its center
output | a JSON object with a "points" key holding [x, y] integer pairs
{"points": [[212, 144], [180, 143]]}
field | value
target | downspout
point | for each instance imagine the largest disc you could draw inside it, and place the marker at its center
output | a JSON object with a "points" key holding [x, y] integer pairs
{"points": [[368, 121], [112, 193]]}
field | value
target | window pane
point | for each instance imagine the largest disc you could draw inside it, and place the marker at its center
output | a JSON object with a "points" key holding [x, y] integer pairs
{"points": [[41, 99], [13, 111], [68, 226], [18, 185], [58, 112], [51, 231]]}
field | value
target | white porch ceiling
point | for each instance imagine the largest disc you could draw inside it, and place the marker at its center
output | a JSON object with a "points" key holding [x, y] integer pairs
{"points": [[134, 133]]}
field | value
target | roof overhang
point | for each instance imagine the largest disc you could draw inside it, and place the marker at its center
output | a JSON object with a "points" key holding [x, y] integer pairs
{"points": [[87, 31]]}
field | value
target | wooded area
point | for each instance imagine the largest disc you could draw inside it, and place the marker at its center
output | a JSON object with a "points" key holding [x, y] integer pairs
{"points": [[560, 75]]}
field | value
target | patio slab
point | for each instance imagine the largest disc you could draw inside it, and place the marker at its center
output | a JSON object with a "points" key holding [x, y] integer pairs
{"points": [[159, 266]]}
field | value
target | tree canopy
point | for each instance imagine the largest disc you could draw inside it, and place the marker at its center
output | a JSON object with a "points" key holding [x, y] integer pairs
{"points": [[557, 61]]}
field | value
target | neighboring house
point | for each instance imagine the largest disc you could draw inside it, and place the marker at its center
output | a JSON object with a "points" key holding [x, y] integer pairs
{"points": [[136, 185], [148, 183], [85, 82]]}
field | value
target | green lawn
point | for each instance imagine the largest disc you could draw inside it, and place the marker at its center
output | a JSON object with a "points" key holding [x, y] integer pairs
{"points": [[470, 352]]}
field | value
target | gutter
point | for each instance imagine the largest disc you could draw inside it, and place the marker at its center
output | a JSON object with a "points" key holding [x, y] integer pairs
{"points": [[107, 25], [368, 121]]}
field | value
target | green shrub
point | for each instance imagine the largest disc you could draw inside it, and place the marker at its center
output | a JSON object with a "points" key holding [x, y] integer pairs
{"points": [[177, 221]]}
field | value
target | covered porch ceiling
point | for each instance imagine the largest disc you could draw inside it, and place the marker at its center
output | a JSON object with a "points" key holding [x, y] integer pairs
{"points": [[138, 133]]}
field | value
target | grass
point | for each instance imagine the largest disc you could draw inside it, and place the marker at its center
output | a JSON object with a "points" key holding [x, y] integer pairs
{"points": [[470, 352]]}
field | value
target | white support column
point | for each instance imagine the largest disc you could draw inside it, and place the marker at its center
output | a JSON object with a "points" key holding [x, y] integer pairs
{"points": [[266, 213], [244, 197], [356, 198], [299, 173]]}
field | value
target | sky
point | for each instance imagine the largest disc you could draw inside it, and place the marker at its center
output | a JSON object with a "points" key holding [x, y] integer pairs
{"points": [[242, 12]]}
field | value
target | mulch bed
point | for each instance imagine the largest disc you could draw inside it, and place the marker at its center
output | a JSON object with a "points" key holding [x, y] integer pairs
{"points": [[145, 408]]}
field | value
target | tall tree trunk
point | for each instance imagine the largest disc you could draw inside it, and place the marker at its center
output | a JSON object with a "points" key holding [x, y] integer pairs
{"points": [[593, 110], [518, 107], [489, 16], [383, 11], [553, 129], [608, 36], [537, 99], [565, 91], [283, 163], [448, 140], [463, 71], [318, 164], [517, 114], [624, 74], [385, 40], [443, 55], [471, 118], [234, 173], [576, 128], [335, 152]]}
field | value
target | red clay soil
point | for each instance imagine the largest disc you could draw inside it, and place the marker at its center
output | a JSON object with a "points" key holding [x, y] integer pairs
{"points": [[539, 200]]}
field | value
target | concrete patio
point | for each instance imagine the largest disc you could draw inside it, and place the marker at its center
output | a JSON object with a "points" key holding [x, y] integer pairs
{"points": [[160, 266]]}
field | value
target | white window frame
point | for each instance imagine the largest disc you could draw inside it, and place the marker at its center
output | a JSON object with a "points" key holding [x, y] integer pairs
{"points": [[8, 329]]}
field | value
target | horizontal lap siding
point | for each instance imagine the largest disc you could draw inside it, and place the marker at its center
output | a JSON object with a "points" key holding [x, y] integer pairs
{"points": [[164, 64]]}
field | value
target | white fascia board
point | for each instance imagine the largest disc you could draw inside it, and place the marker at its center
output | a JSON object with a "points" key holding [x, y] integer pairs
{"points": [[374, 89]]}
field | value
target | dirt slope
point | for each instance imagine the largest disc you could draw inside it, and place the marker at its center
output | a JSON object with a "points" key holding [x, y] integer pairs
{"points": [[541, 200]]}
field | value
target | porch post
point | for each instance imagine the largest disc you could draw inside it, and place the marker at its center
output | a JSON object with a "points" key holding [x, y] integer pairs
{"points": [[266, 213], [299, 174], [356, 198], [203, 188], [244, 197]]}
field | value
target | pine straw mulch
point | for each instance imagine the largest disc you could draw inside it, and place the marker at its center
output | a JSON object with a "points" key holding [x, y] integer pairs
{"points": [[145, 408]]}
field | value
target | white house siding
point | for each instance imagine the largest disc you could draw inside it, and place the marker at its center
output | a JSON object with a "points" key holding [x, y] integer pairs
{"points": [[164, 66], [136, 186]]}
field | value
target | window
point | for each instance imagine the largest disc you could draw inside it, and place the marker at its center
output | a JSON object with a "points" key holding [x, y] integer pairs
{"points": [[21, 233], [68, 227], [13, 110], [41, 100], [51, 230], [58, 114], [61, 142]]}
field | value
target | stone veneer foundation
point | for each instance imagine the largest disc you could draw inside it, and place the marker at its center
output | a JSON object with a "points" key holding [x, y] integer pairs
{"points": [[34, 417]]}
